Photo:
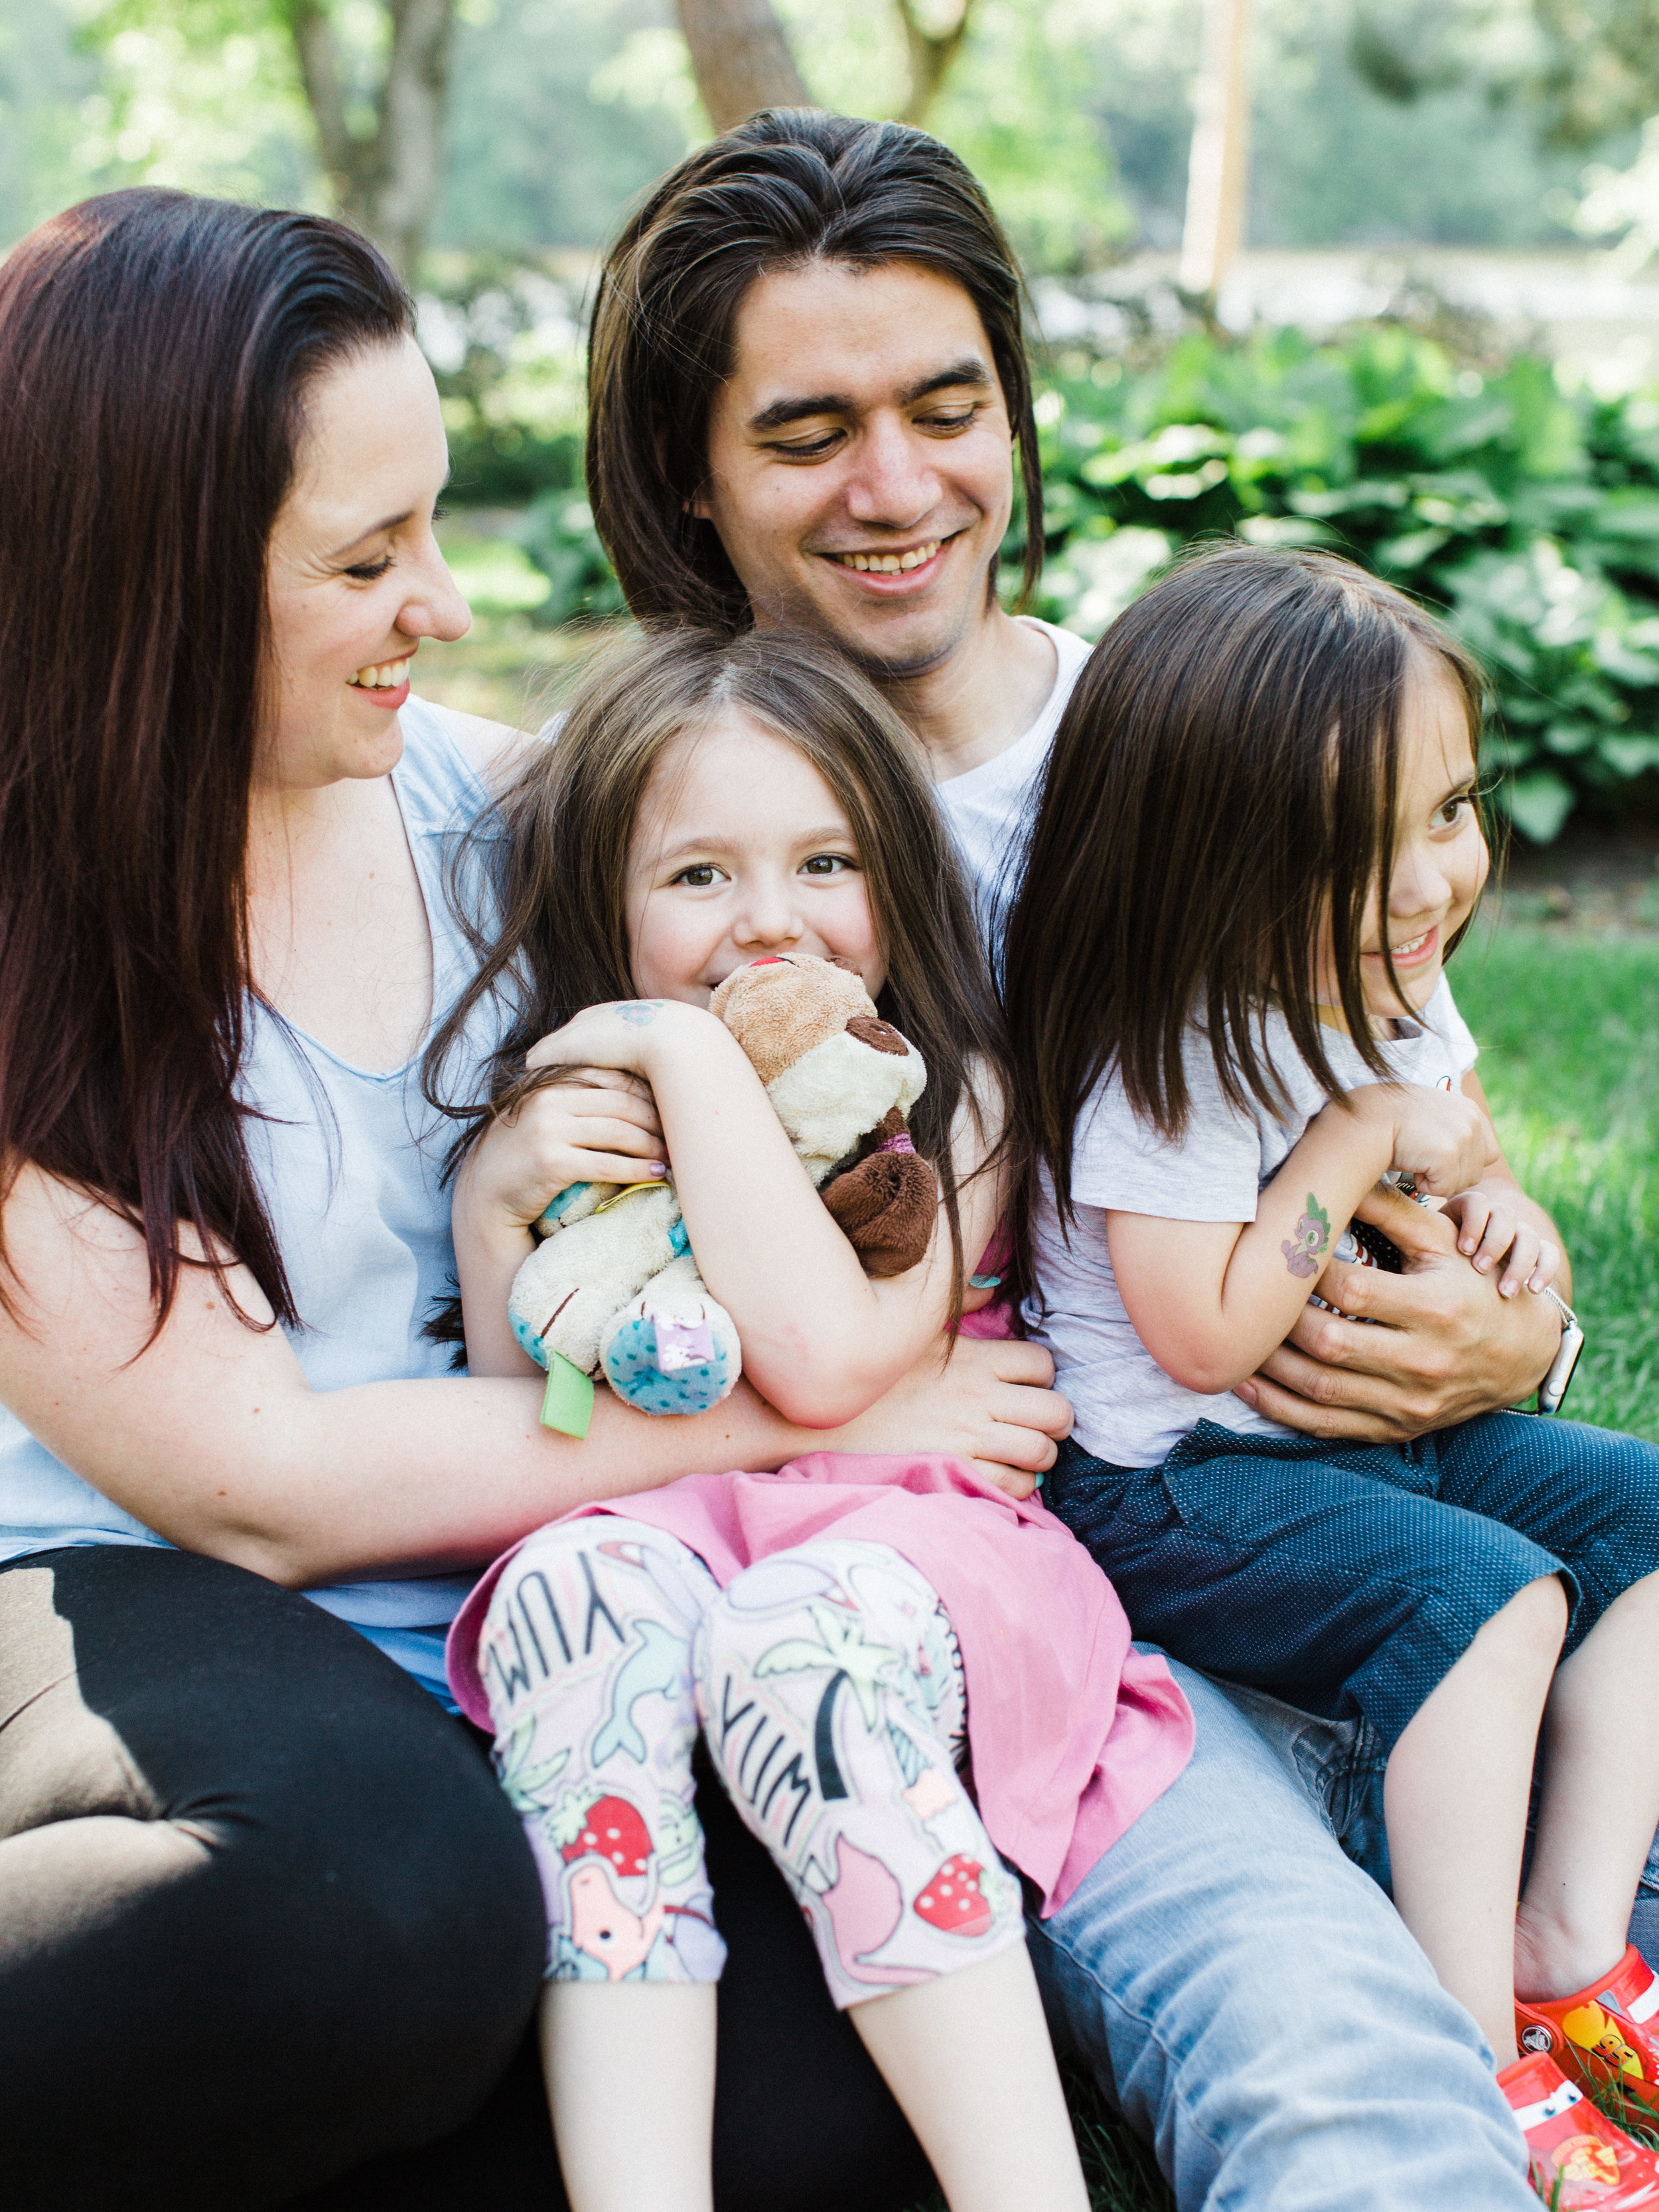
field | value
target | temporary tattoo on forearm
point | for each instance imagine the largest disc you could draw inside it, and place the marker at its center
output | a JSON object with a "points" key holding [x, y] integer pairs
{"points": [[639, 1011], [1303, 1252]]}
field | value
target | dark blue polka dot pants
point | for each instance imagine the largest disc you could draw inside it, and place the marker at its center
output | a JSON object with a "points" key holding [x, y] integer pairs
{"points": [[1349, 1580]]}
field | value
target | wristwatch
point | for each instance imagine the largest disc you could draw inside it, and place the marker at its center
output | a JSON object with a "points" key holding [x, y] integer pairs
{"points": [[1553, 1388]]}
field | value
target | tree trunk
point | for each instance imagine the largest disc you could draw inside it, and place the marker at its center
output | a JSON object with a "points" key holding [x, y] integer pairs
{"points": [[931, 54], [1219, 165], [740, 60], [388, 183], [411, 130]]}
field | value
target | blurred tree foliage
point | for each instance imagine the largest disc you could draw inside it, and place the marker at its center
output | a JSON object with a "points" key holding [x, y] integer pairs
{"points": [[1601, 71], [1076, 112], [188, 95], [502, 337], [374, 76]]}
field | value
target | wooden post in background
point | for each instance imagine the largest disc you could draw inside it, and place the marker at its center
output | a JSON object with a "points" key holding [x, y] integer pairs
{"points": [[1218, 170]]}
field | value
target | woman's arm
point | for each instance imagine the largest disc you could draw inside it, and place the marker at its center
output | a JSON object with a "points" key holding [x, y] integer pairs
{"points": [[1210, 1300], [212, 1437], [821, 1340]]}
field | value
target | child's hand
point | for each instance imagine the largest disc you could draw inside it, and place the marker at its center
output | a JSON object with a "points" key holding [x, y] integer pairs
{"points": [[624, 1033], [590, 1125], [1489, 1230], [1442, 1139]]}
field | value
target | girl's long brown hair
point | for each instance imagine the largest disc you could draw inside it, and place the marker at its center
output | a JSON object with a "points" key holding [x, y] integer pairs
{"points": [[154, 351], [561, 869], [1221, 790]]}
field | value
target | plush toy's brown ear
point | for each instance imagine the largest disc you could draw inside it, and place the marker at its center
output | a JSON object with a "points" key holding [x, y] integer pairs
{"points": [[886, 1205]]}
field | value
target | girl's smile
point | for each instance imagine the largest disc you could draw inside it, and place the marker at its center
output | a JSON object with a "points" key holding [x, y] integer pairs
{"points": [[742, 848]]}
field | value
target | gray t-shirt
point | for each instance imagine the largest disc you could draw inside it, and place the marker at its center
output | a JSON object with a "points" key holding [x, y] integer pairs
{"points": [[1129, 1410]]}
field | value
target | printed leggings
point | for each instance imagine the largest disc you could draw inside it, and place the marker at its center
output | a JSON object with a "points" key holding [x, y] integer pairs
{"points": [[828, 1687]]}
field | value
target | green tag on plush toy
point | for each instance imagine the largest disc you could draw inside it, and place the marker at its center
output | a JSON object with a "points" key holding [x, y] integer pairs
{"points": [[568, 1401]]}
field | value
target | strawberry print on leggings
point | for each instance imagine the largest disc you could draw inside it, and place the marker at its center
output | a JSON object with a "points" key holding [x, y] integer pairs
{"points": [[828, 1687], [831, 1693]]}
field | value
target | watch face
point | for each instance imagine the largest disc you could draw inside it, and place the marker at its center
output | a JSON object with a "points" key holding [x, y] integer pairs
{"points": [[1561, 1368]]}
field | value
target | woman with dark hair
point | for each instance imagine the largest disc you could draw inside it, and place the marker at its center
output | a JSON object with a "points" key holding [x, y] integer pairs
{"points": [[264, 1915]]}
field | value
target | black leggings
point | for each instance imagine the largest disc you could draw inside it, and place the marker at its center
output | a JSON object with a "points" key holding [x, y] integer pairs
{"points": [[270, 1934]]}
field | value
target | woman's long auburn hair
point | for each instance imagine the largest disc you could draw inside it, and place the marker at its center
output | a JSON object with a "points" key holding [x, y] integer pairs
{"points": [[561, 870], [155, 353], [1221, 792]]}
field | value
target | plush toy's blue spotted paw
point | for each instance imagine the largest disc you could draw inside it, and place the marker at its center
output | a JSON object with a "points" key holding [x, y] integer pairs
{"points": [[677, 1356], [528, 1339]]}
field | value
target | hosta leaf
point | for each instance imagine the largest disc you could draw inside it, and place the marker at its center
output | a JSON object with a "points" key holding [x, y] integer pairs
{"points": [[1539, 804]]}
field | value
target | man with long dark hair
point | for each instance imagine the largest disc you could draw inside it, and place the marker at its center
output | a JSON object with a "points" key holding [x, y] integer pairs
{"points": [[809, 387]]}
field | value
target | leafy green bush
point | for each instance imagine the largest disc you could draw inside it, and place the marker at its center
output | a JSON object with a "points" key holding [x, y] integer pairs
{"points": [[504, 342], [1530, 517], [557, 532]]}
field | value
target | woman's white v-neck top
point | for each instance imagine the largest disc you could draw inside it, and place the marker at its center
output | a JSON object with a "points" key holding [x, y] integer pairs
{"points": [[349, 1161]]}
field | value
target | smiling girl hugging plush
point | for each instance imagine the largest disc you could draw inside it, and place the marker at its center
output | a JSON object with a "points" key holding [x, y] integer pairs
{"points": [[903, 1675], [1259, 841]]}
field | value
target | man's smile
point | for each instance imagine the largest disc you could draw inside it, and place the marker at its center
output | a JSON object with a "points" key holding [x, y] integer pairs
{"points": [[889, 564], [887, 571]]}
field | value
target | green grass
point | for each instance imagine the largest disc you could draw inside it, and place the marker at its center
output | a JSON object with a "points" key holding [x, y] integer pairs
{"points": [[1569, 1031]]}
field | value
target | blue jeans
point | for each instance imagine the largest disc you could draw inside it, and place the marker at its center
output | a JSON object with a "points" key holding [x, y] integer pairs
{"points": [[1350, 1578], [1249, 2000]]}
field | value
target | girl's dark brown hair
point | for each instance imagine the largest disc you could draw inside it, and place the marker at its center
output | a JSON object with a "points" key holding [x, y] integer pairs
{"points": [[1222, 790], [155, 352], [561, 870], [788, 187]]}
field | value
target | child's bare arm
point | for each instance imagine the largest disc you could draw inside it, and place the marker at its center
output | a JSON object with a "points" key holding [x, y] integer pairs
{"points": [[1210, 1300]]}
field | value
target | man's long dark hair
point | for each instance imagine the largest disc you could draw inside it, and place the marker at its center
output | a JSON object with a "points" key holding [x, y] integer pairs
{"points": [[154, 351], [1220, 795], [788, 187]]}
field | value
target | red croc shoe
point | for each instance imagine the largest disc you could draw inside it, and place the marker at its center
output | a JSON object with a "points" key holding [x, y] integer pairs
{"points": [[1581, 2161], [1608, 2032]]}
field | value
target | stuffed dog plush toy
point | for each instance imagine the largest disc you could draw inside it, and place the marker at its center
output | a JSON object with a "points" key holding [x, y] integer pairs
{"points": [[614, 1289]]}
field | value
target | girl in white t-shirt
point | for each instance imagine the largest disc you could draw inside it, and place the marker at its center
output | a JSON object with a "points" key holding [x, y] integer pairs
{"points": [[1259, 839]]}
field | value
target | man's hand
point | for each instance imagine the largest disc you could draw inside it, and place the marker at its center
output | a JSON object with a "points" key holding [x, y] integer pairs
{"points": [[1449, 1346]]}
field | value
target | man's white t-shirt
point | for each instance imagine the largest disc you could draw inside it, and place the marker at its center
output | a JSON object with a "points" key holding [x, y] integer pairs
{"points": [[1128, 1411], [989, 809]]}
